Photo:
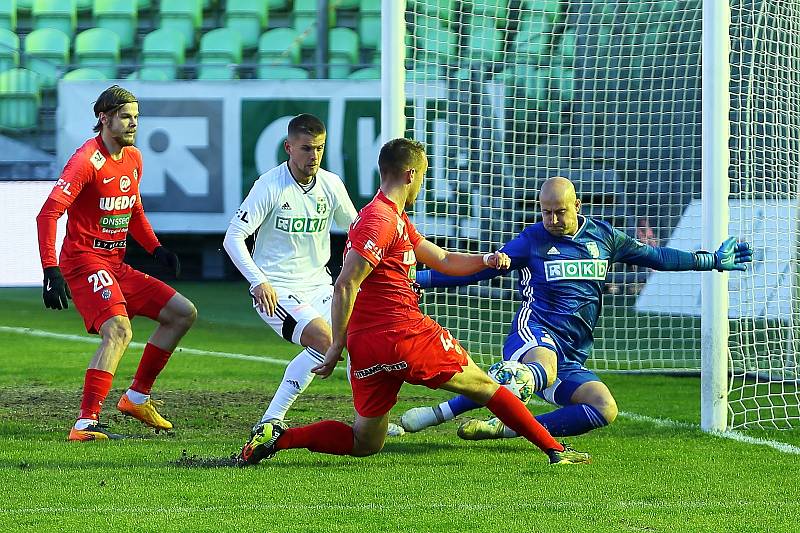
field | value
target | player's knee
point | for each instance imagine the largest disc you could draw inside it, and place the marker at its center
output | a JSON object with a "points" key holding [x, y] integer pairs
{"points": [[117, 332], [189, 315], [317, 337], [607, 407]]}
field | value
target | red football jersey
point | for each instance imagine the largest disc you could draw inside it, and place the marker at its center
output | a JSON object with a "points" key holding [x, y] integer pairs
{"points": [[102, 199], [386, 238]]}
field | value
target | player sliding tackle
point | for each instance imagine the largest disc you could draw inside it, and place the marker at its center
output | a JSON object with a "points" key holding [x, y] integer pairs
{"points": [[375, 313], [562, 263]]}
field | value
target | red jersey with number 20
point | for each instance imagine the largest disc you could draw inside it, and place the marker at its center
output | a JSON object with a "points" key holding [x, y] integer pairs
{"points": [[102, 199], [386, 239]]}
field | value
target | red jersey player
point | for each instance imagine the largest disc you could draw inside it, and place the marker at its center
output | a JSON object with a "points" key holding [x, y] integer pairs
{"points": [[375, 311], [99, 189]]}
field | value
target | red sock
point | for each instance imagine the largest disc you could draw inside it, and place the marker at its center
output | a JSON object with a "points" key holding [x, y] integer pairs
{"points": [[513, 413], [96, 385], [153, 361], [328, 436]]}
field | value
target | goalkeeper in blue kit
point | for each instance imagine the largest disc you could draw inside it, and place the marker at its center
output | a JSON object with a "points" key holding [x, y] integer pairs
{"points": [[562, 263]]}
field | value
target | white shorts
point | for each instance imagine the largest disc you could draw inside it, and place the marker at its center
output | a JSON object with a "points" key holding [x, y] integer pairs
{"points": [[296, 308]]}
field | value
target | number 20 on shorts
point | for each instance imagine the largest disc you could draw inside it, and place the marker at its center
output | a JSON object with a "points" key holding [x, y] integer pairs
{"points": [[100, 279]]}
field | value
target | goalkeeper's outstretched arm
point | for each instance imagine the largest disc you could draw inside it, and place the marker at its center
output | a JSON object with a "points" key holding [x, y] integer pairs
{"points": [[731, 255]]}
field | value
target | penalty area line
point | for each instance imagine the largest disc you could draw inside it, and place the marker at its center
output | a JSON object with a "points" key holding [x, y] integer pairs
{"points": [[180, 349]]}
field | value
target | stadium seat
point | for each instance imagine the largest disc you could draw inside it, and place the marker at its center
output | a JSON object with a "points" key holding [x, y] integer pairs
{"points": [[47, 54], [220, 53], [305, 21], [119, 16], [9, 49], [565, 51], [278, 5], [369, 73], [484, 39], [343, 52], [84, 6], [150, 74], [435, 45], [248, 18], [282, 72], [85, 74], [19, 99], [438, 9], [57, 14], [98, 48], [182, 16], [496, 9], [533, 39], [163, 50], [369, 23], [8, 14], [280, 46], [24, 6]]}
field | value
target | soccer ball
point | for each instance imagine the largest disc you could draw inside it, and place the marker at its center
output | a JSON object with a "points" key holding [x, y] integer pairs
{"points": [[514, 376]]}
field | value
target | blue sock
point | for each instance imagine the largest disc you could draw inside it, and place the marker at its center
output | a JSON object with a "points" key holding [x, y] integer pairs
{"points": [[572, 420], [539, 376], [461, 404]]}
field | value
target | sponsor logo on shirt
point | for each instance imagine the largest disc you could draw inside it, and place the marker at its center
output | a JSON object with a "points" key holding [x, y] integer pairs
{"points": [[371, 248], [124, 184], [116, 203], [374, 369], [64, 184], [98, 160], [109, 245], [589, 269], [301, 224], [115, 221]]}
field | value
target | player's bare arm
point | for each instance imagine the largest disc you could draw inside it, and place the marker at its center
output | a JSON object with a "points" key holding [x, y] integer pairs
{"points": [[354, 271], [457, 263]]}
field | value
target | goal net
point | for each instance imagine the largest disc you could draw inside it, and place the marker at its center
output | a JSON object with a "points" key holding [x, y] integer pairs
{"points": [[608, 94]]}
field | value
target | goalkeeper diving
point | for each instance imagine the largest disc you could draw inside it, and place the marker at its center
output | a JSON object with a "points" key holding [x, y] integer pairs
{"points": [[562, 263]]}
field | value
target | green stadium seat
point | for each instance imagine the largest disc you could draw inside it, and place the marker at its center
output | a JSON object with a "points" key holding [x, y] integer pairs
{"points": [[305, 21], [19, 99], [434, 45], [163, 50], [9, 49], [8, 14], [280, 46], [85, 74], [343, 52], [278, 5], [84, 6], [369, 73], [47, 54], [438, 9], [247, 18], [369, 23], [182, 16], [496, 9], [533, 39], [98, 48], [220, 53], [24, 6], [565, 51], [150, 74], [282, 72], [119, 16], [484, 39], [346, 4], [57, 14]]}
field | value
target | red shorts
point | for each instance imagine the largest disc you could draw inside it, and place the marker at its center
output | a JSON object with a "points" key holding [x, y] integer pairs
{"points": [[101, 291], [380, 361]]}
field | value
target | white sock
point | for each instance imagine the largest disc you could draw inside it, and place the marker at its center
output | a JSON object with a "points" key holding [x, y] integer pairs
{"points": [[295, 380], [83, 423], [137, 397]]}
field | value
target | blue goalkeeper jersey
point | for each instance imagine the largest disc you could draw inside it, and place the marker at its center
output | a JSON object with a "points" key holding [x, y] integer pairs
{"points": [[561, 278]]}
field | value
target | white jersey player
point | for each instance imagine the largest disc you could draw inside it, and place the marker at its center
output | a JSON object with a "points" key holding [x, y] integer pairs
{"points": [[291, 208]]}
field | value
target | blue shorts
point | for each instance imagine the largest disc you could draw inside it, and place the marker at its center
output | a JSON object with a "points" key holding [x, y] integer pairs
{"points": [[569, 374]]}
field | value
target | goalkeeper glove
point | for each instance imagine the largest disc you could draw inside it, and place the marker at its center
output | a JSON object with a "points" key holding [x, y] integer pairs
{"points": [[730, 256], [168, 259], [55, 291]]}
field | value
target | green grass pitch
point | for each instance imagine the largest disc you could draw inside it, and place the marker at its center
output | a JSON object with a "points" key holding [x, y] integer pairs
{"points": [[647, 475]]}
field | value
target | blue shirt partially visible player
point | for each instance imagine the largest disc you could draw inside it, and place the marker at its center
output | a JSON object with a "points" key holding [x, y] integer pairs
{"points": [[562, 264]]}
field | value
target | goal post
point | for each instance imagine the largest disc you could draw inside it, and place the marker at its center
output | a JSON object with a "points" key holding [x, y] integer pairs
{"points": [[672, 147]]}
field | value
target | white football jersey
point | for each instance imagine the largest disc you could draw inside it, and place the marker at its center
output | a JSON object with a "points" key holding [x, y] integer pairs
{"points": [[293, 242]]}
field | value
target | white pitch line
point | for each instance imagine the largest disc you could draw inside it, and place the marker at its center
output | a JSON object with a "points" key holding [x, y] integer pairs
{"points": [[659, 422], [182, 350]]}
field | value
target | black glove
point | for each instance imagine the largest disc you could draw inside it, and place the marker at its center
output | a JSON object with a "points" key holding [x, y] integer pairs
{"points": [[54, 289], [168, 259]]}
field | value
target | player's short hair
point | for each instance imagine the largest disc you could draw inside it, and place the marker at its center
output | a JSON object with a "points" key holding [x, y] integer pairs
{"points": [[398, 155], [110, 101], [306, 124]]}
